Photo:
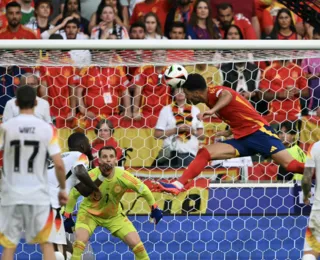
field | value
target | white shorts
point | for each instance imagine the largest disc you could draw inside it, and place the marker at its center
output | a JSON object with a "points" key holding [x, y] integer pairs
{"points": [[36, 220], [312, 237], [58, 234]]}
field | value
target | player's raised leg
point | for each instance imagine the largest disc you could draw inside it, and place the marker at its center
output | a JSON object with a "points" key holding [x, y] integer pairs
{"points": [[79, 245], [288, 162], [217, 151]]}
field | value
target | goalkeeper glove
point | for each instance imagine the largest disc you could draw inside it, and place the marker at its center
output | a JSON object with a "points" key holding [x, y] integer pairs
{"points": [[156, 214], [68, 223]]}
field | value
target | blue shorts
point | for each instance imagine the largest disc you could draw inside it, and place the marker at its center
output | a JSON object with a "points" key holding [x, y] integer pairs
{"points": [[264, 141]]}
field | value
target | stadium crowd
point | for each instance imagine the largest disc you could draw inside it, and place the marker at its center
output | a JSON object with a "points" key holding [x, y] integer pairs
{"points": [[100, 100]]}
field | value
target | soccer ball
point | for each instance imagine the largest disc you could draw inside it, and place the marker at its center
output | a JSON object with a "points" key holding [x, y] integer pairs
{"points": [[175, 76]]}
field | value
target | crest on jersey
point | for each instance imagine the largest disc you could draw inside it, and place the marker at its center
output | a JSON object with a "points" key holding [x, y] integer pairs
{"points": [[117, 189]]}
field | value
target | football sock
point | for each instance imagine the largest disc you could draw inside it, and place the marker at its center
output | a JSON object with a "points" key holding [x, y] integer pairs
{"points": [[196, 166], [78, 248], [140, 252], [295, 167]]}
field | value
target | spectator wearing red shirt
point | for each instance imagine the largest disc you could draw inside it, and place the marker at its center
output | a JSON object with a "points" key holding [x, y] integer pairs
{"points": [[15, 30], [246, 7], [283, 84], [104, 131], [99, 95], [151, 94], [226, 17]]}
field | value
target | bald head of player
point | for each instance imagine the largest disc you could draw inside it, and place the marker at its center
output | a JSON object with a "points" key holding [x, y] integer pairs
{"points": [[195, 89], [80, 143], [26, 99]]}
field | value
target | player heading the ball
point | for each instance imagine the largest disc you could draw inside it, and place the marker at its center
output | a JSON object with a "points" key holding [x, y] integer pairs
{"points": [[25, 204], [252, 133]]}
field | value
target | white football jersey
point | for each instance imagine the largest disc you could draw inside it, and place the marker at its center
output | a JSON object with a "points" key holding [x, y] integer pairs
{"points": [[70, 160], [313, 161], [27, 141]]}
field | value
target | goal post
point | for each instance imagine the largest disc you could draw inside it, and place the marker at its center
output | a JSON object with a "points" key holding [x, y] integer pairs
{"points": [[235, 209]]}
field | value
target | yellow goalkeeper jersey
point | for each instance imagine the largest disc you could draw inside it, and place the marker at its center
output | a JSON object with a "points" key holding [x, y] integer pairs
{"points": [[112, 191]]}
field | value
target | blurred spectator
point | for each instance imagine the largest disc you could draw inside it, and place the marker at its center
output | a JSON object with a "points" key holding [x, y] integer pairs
{"points": [[181, 13], [283, 83], [137, 31], [180, 130], [57, 8], [100, 94], [121, 13], [42, 109], [73, 8], [151, 93], [288, 134], [104, 131], [9, 80], [15, 30], [226, 17], [88, 7], [210, 73], [72, 30], [153, 27], [243, 77], [108, 28], [269, 17], [233, 32], [201, 25], [311, 66], [159, 7], [245, 8], [3, 20], [27, 11], [284, 28], [177, 31]]}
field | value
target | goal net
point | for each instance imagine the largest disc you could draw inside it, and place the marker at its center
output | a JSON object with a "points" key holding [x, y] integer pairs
{"points": [[245, 208]]}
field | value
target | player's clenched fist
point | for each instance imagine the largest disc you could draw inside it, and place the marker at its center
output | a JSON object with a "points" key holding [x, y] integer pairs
{"points": [[63, 197], [156, 214], [205, 114]]}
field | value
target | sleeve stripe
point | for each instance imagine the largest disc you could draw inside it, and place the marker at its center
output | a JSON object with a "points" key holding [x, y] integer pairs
{"points": [[130, 178]]}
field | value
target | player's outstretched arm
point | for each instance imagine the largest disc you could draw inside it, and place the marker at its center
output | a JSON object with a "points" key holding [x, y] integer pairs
{"points": [[83, 176], [61, 177], [306, 184]]}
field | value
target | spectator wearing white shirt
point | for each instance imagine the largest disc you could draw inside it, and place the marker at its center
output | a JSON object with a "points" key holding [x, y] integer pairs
{"points": [[180, 130], [42, 108]]}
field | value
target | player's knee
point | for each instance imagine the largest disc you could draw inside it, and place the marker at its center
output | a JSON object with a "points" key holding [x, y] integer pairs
{"points": [[309, 257], [59, 255]]}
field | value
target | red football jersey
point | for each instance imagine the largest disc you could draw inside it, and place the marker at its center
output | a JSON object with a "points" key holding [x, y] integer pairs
{"points": [[103, 87], [292, 36], [23, 33], [155, 93], [239, 114]]}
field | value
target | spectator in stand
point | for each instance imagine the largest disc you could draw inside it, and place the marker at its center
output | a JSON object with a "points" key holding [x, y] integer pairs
{"points": [[284, 28], [210, 73], [201, 25], [269, 17], [73, 8], [9, 81], [180, 130], [159, 7], [27, 11], [3, 20], [246, 7], [226, 17], [15, 30], [72, 30], [288, 134], [108, 27], [137, 31], [283, 84], [104, 137], [311, 66], [177, 31], [121, 13], [181, 13], [100, 94], [233, 32], [153, 27]]}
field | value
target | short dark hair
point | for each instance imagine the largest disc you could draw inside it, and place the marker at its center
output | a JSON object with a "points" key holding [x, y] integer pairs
{"points": [[290, 127], [224, 6], [107, 148], [26, 97], [195, 82], [12, 4], [76, 139], [178, 24], [104, 121], [136, 25], [55, 36], [39, 2], [237, 28], [75, 21]]}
